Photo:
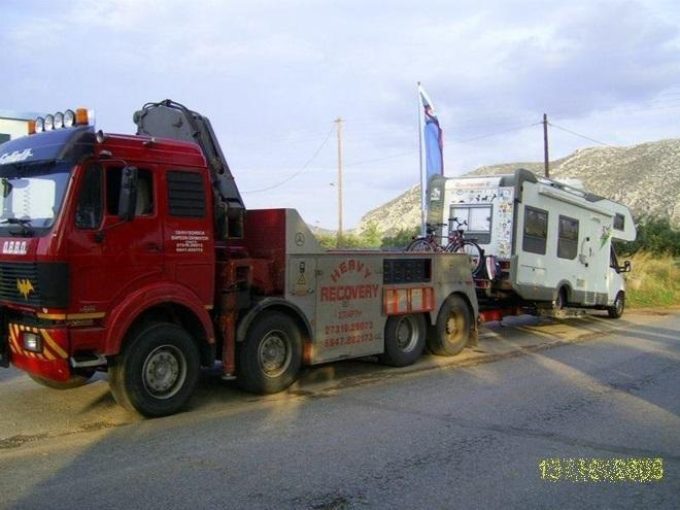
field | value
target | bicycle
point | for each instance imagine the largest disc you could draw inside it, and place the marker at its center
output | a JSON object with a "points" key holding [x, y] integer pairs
{"points": [[428, 242], [457, 243]]}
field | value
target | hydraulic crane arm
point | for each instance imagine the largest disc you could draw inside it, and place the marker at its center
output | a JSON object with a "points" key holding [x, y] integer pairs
{"points": [[168, 119]]}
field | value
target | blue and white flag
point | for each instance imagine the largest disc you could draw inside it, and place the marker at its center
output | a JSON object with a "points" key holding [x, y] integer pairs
{"points": [[432, 138]]}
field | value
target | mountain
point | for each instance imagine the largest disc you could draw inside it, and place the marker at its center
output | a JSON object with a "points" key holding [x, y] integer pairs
{"points": [[645, 177]]}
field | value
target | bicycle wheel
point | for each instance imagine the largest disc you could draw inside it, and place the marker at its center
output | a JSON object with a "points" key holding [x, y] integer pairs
{"points": [[421, 245], [472, 250]]}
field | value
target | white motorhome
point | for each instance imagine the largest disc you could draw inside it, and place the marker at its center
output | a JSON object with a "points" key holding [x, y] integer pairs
{"points": [[546, 243]]}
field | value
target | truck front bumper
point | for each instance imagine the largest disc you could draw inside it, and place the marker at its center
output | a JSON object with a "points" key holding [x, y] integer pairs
{"points": [[38, 351]]}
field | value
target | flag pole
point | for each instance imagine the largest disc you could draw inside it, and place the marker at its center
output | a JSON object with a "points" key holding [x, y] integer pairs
{"points": [[422, 170]]}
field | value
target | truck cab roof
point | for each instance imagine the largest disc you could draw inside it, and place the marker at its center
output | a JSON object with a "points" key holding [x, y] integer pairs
{"points": [[73, 144]]}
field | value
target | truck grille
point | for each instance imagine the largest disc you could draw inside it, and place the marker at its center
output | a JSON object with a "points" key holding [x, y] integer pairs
{"points": [[19, 283], [34, 283]]}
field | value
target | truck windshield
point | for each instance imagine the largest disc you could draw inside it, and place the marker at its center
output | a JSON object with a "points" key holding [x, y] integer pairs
{"points": [[31, 196]]}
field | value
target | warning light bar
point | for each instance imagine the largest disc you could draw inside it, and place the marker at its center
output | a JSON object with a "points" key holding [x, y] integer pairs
{"points": [[59, 120]]}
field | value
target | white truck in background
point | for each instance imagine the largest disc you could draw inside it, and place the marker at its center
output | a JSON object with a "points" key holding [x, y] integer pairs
{"points": [[547, 244]]}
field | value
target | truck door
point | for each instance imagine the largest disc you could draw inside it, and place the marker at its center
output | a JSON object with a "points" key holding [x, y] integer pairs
{"points": [[615, 282], [112, 257]]}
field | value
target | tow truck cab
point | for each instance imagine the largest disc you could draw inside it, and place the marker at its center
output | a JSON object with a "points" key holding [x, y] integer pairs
{"points": [[93, 229]]}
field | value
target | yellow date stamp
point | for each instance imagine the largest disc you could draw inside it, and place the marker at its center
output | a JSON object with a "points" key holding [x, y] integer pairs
{"points": [[631, 469]]}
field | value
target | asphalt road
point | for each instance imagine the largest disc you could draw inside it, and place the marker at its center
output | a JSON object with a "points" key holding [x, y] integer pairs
{"points": [[468, 432]]}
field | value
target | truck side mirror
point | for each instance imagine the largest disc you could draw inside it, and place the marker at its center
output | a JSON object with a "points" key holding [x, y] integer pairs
{"points": [[626, 267], [128, 193]]}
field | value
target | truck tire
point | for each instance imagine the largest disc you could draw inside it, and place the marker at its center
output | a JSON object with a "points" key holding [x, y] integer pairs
{"points": [[157, 371], [75, 381], [561, 299], [452, 329], [616, 311], [404, 340], [271, 354]]}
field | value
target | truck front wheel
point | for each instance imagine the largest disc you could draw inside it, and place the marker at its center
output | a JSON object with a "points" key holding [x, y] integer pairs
{"points": [[404, 340], [453, 328], [271, 354], [616, 311], [157, 371]]}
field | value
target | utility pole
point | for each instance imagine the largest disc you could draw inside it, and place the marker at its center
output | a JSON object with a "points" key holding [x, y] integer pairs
{"points": [[339, 121], [546, 161]]}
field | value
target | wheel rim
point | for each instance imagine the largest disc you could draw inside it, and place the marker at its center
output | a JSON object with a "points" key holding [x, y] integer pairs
{"points": [[274, 354], [421, 246], [455, 325], [407, 334], [164, 371]]}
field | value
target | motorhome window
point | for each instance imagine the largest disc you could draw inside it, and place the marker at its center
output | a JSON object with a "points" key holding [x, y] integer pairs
{"points": [[474, 219], [613, 259], [567, 238], [619, 221], [89, 208], [535, 230]]}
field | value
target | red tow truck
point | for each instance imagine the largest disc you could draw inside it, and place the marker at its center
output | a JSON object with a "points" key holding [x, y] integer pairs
{"points": [[135, 255]]}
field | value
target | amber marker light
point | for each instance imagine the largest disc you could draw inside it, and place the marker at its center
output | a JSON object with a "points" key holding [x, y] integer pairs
{"points": [[82, 118]]}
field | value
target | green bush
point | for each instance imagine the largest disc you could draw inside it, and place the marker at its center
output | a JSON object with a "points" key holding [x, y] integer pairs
{"points": [[654, 235]]}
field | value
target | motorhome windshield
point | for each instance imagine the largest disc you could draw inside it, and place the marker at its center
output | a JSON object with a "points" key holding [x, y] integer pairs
{"points": [[31, 196]]}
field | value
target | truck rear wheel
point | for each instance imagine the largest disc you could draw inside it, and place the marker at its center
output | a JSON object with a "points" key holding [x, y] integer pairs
{"points": [[271, 354], [404, 340], [453, 328], [157, 371]]}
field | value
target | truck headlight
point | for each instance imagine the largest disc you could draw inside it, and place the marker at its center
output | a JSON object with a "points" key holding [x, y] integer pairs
{"points": [[58, 120], [69, 118], [32, 342]]}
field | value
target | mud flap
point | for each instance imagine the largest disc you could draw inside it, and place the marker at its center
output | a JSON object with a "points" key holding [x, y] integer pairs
{"points": [[473, 341], [4, 349]]}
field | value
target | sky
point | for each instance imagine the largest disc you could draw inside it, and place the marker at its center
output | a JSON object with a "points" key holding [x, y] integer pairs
{"points": [[273, 77]]}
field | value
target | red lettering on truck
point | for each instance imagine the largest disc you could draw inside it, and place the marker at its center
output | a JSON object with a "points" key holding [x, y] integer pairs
{"points": [[349, 292]]}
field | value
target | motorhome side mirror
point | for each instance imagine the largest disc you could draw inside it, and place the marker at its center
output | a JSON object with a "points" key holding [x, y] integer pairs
{"points": [[128, 193], [626, 267]]}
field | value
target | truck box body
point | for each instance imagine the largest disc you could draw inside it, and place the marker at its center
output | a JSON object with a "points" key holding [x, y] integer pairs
{"points": [[546, 236], [347, 296]]}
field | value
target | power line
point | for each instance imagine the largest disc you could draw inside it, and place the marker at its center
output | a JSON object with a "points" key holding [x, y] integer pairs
{"points": [[579, 135], [394, 156], [410, 153], [496, 133], [304, 167]]}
